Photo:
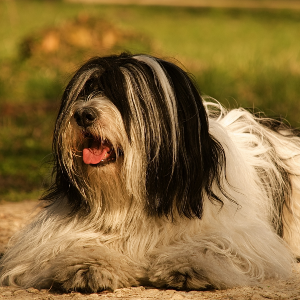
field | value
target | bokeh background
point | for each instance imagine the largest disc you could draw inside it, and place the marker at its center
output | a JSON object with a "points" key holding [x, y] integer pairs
{"points": [[242, 53]]}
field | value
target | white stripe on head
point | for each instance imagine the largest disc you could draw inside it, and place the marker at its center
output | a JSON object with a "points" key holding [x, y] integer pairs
{"points": [[169, 96]]}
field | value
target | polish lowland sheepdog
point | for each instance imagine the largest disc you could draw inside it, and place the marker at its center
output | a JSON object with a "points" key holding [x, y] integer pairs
{"points": [[154, 186]]}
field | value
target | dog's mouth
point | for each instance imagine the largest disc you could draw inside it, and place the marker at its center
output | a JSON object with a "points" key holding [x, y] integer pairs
{"points": [[97, 151]]}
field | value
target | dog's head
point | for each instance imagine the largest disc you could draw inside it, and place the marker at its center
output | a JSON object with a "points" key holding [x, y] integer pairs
{"points": [[134, 125]]}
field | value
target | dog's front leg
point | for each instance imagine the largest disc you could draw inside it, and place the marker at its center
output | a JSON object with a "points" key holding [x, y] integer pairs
{"points": [[198, 266], [90, 269]]}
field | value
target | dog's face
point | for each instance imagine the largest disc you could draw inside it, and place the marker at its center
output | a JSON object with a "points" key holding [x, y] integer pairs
{"points": [[99, 131], [134, 126]]}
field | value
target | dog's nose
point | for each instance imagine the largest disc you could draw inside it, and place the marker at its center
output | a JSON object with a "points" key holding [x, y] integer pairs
{"points": [[85, 117]]}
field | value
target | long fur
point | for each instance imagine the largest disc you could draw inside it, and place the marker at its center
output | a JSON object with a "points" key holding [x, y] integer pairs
{"points": [[188, 196]]}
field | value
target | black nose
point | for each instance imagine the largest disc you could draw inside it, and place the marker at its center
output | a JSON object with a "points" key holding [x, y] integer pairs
{"points": [[85, 117]]}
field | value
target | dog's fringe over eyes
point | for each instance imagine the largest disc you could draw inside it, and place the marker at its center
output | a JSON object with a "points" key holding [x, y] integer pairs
{"points": [[153, 184]]}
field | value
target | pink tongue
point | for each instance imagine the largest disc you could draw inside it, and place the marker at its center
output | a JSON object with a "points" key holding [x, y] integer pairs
{"points": [[94, 156]]}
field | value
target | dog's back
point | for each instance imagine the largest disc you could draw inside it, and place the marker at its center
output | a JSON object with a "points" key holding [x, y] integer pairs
{"points": [[272, 148]]}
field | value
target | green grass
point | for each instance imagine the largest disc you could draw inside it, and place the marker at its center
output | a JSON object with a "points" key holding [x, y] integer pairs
{"points": [[240, 57], [25, 143]]}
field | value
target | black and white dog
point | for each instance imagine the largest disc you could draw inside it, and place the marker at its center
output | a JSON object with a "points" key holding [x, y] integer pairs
{"points": [[153, 185]]}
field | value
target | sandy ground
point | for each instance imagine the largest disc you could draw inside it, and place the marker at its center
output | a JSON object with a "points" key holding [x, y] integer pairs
{"points": [[14, 215]]}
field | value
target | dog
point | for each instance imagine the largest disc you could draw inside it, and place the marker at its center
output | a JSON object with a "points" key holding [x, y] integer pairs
{"points": [[155, 185]]}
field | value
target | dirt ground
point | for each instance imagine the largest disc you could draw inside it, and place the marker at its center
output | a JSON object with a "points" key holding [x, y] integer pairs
{"points": [[14, 215]]}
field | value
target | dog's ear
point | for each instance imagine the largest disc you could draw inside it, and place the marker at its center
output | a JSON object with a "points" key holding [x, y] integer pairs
{"points": [[189, 160], [65, 182]]}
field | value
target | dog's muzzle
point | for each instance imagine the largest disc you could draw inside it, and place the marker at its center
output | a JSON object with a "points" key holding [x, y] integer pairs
{"points": [[97, 151], [86, 116]]}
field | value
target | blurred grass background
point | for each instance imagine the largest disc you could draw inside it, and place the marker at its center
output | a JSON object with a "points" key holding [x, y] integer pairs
{"points": [[241, 57]]}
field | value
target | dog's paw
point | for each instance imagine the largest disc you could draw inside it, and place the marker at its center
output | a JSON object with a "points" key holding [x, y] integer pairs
{"points": [[89, 270], [178, 274], [92, 277]]}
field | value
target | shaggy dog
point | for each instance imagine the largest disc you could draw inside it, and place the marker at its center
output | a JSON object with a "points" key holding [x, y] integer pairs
{"points": [[153, 185]]}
